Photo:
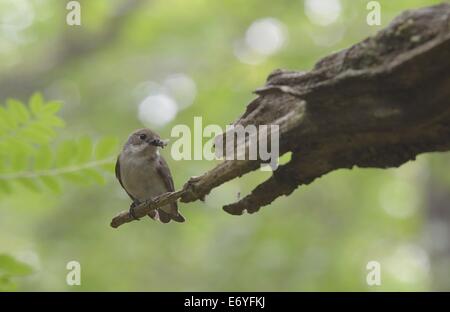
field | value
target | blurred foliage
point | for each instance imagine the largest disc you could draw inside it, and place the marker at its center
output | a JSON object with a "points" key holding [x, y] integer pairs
{"points": [[27, 156], [104, 71], [9, 269]]}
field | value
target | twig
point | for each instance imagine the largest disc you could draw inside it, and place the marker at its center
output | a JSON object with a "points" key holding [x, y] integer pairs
{"points": [[144, 208]]}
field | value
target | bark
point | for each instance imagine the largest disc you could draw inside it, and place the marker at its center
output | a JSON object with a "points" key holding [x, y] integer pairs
{"points": [[376, 104]]}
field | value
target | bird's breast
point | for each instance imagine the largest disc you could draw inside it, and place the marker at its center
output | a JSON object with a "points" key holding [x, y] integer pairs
{"points": [[140, 177]]}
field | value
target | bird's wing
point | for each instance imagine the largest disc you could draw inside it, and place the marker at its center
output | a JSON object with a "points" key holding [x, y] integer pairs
{"points": [[118, 177], [164, 173]]}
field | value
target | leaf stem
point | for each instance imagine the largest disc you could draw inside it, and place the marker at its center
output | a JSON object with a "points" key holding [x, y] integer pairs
{"points": [[55, 171]]}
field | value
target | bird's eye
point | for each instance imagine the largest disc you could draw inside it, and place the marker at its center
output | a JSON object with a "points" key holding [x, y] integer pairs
{"points": [[142, 137]]}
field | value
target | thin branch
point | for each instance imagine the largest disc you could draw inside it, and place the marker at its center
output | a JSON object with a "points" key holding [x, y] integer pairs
{"points": [[144, 208]]}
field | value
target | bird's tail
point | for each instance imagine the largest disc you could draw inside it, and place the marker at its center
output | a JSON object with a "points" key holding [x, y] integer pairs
{"points": [[154, 215], [178, 217], [165, 217]]}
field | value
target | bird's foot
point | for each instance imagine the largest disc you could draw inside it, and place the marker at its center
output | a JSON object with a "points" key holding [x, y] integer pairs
{"points": [[194, 179], [131, 211], [190, 183]]}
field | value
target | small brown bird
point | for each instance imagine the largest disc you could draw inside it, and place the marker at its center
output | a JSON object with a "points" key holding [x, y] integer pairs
{"points": [[144, 174]]}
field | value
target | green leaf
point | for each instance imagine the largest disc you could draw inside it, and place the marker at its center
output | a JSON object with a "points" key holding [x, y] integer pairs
{"points": [[44, 129], [8, 118], [14, 147], [85, 148], [18, 110], [43, 158], [105, 147], [36, 103], [31, 125], [34, 136], [12, 267], [3, 160], [51, 107], [4, 121], [3, 148], [52, 183], [19, 162], [38, 133], [109, 167], [5, 187], [6, 284], [31, 184], [76, 177], [65, 153], [94, 175], [52, 120]]}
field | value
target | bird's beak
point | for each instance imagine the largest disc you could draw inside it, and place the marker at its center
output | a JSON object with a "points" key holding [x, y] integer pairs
{"points": [[158, 142]]}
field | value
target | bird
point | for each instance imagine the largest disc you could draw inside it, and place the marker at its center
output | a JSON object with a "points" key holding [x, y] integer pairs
{"points": [[144, 174]]}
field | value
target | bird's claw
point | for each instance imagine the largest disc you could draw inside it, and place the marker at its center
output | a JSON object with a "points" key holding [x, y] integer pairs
{"points": [[131, 211], [194, 179]]}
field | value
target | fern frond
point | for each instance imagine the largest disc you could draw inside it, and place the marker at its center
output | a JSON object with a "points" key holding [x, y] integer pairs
{"points": [[74, 161], [28, 156], [11, 268], [34, 124]]}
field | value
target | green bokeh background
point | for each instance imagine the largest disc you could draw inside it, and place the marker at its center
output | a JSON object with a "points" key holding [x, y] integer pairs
{"points": [[319, 238]]}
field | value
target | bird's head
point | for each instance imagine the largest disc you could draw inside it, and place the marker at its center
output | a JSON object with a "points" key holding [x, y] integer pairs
{"points": [[144, 140]]}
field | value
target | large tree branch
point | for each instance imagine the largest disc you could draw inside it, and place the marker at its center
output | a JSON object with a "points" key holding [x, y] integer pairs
{"points": [[377, 104]]}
